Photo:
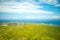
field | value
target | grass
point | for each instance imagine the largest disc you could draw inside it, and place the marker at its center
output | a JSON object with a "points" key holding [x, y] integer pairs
{"points": [[29, 31]]}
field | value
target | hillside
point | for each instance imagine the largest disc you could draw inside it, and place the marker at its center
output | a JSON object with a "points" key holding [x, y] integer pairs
{"points": [[27, 31]]}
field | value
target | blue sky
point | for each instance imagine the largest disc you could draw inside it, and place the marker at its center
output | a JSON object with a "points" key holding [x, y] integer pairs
{"points": [[29, 9]]}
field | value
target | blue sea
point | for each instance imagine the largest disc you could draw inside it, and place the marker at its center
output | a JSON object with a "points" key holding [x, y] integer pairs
{"points": [[54, 22]]}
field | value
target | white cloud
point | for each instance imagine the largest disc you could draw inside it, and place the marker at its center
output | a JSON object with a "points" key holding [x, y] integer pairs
{"points": [[7, 0], [42, 17], [32, 17], [50, 1], [28, 6], [23, 10], [23, 7], [55, 17], [33, 1], [57, 5]]}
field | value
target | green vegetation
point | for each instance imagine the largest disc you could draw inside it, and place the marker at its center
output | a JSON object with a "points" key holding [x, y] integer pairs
{"points": [[29, 32]]}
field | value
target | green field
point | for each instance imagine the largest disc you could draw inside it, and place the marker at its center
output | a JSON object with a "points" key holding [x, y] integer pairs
{"points": [[28, 31]]}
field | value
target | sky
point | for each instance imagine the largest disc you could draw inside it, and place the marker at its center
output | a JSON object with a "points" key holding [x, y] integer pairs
{"points": [[29, 9]]}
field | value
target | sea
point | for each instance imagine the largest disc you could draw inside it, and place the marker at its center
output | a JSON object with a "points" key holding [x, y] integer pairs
{"points": [[37, 21]]}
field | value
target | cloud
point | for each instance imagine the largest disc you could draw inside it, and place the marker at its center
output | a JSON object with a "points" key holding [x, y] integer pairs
{"points": [[42, 17], [27, 6], [50, 2], [57, 5], [23, 7], [54, 17], [36, 2], [12, 16], [32, 17]]}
